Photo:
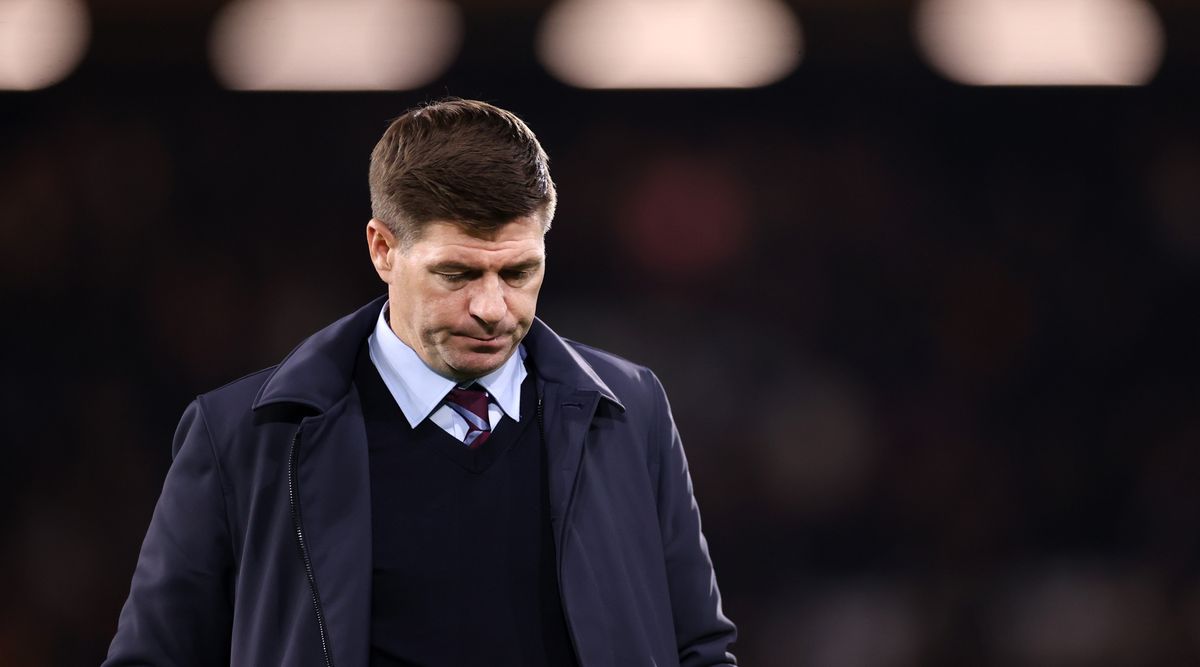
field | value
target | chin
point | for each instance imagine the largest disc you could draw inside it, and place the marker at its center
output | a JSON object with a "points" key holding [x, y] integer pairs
{"points": [[477, 365]]}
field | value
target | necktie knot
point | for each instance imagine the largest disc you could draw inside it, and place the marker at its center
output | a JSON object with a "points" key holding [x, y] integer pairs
{"points": [[472, 405]]}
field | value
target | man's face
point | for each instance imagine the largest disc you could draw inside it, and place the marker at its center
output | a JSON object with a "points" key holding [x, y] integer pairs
{"points": [[462, 302]]}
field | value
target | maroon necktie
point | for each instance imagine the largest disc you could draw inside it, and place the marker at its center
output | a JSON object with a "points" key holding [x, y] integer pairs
{"points": [[472, 405]]}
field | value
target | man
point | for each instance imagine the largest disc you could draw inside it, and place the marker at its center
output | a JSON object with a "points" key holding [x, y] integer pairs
{"points": [[438, 478]]}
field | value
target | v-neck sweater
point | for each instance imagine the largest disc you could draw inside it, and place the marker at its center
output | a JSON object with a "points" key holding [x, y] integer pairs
{"points": [[463, 553]]}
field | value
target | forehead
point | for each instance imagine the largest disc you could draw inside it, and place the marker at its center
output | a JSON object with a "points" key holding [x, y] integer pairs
{"points": [[519, 240]]}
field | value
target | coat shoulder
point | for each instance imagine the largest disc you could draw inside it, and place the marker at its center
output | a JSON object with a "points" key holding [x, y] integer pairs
{"points": [[595, 354], [239, 393], [230, 407], [627, 379]]}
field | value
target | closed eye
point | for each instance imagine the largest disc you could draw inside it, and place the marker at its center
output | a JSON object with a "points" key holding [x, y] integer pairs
{"points": [[518, 277]]}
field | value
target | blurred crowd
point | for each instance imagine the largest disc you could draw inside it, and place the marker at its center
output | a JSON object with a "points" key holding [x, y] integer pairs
{"points": [[931, 354]]}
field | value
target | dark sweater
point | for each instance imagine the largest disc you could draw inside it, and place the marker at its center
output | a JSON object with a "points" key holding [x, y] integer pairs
{"points": [[464, 570]]}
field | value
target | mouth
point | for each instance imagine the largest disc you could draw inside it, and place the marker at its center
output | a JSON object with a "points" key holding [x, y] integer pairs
{"points": [[485, 340]]}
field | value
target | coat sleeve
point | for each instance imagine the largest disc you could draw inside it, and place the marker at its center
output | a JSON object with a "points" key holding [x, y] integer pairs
{"points": [[179, 609], [702, 631]]}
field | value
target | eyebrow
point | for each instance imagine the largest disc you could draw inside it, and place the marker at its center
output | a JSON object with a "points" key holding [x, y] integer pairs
{"points": [[459, 266], [451, 266], [523, 266]]}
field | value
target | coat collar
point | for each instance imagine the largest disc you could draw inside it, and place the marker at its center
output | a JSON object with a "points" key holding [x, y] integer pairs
{"points": [[319, 372]]}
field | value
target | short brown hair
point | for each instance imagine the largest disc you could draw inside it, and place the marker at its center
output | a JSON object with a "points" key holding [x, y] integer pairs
{"points": [[460, 161]]}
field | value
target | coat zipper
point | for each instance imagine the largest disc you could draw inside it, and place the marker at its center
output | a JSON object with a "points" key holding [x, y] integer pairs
{"points": [[562, 598], [294, 502]]}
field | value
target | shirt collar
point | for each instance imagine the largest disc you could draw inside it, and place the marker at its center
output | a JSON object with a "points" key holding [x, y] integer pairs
{"points": [[419, 390]]}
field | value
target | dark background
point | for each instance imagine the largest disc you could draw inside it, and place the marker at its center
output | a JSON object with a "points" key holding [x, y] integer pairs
{"points": [[931, 348]]}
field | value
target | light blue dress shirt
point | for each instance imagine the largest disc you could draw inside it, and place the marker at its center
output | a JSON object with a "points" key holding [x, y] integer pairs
{"points": [[420, 392]]}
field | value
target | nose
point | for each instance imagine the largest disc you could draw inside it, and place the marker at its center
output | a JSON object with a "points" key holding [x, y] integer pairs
{"points": [[487, 301]]}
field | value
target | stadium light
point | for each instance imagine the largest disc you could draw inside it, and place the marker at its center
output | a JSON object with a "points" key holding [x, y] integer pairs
{"points": [[670, 43], [1041, 42], [334, 44], [41, 41]]}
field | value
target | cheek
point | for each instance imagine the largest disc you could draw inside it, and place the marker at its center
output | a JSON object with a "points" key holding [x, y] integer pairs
{"points": [[524, 304], [447, 312]]}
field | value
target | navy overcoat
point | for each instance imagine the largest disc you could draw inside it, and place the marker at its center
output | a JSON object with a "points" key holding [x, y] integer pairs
{"points": [[259, 549]]}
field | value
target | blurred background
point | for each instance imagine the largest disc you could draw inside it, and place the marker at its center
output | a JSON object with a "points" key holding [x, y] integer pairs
{"points": [[920, 278]]}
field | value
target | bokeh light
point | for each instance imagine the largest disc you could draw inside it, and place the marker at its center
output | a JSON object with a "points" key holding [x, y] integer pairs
{"points": [[670, 43], [41, 41], [1041, 42], [334, 44], [686, 216]]}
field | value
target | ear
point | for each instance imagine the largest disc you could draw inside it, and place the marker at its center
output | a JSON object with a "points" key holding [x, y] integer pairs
{"points": [[380, 242]]}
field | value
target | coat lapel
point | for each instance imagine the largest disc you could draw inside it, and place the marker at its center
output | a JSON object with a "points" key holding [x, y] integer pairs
{"points": [[568, 412], [335, 500], [334, 491], [571, 394]]}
